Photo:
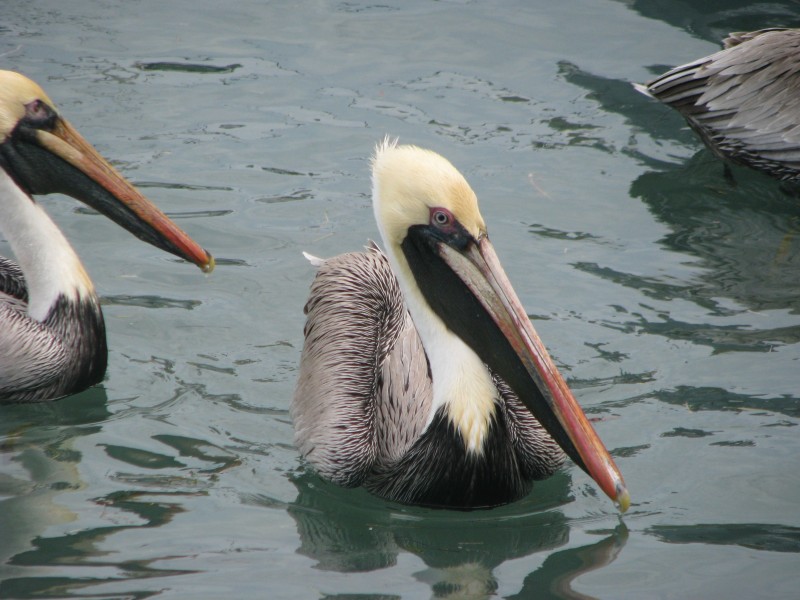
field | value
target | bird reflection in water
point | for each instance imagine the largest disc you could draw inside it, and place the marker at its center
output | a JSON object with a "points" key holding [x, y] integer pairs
{"points": [[39, 464], [349, 531]]}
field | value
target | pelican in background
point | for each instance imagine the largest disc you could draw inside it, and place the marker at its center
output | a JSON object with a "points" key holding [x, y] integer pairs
{"points": [[422, 378], [743, 100], [52, 336]]}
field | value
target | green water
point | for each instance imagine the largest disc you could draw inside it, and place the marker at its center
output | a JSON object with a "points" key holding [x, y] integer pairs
{"points": [[668, 295]]}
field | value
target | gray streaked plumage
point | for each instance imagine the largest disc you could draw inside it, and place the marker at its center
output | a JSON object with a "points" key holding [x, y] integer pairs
{"points": [[364, 398], [44, 360], [743, 101]]}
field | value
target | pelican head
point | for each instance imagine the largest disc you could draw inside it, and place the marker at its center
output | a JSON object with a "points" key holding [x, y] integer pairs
{"points": [[44, 154], [410, 182], [438, 245]]}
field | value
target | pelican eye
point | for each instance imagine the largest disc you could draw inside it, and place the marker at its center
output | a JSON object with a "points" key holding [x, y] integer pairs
{"points": [[441, 217], [39, 115]]}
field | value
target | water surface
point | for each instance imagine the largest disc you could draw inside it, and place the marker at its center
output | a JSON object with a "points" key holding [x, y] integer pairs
{"points": [[669, 296]]}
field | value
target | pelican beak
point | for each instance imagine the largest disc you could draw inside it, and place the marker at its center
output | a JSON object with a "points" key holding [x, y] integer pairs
{"points": [[463, 281], [60, 160]]}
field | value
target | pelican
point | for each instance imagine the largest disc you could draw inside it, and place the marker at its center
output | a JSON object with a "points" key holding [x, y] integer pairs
{"points": [[743, 100], [421, 377], [52, 336]]}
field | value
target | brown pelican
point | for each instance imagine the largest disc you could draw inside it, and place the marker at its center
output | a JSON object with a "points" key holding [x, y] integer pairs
{"points": [[743, 100], [52, 336], [421, 377]]}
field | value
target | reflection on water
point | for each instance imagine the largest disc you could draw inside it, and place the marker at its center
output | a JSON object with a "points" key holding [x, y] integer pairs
{"points": [[554, 578], [146, 301], [700, 398], [713, 21], [186, 67], [350, 531], [38, 463], [332, 526], [84, 549], [41, 465], [744, 232], [757, 536]]}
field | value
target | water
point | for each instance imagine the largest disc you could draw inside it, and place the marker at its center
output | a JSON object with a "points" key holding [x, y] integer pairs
{"points": [[668, 296]]}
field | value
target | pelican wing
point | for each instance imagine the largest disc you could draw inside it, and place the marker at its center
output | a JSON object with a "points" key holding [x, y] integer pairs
{"points": [[12, 282], [364, 393], [27, 349], [742, 100], [30, 356]]}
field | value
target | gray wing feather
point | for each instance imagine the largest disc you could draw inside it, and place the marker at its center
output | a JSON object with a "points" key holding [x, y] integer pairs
{"points": [[404, 397], [363, 390], [743, 100], [28, 351], [739, 37], [538, 453], [30, 356], [12, 280]]}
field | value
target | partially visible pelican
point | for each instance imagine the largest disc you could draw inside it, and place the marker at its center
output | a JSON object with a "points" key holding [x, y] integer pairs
{"points": [[743, 101], [52, 336], [421, 377]]}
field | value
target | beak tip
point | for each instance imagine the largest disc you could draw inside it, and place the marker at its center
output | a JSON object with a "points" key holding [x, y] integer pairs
{"points": [[623, 500], [209, 265]]}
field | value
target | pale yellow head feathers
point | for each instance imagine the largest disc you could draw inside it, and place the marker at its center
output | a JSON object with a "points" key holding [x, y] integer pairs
{"points": [[16, 91], [408, 181]]}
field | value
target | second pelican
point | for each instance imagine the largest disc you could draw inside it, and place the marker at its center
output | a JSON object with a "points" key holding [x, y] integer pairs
{"points": [[422, 378], [52, 334], [742, 101]]}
